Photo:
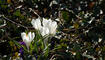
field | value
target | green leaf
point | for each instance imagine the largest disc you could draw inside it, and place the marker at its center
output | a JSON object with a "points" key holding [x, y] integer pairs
{"points": [[78, 55], [76, 25], [35, 46], [46, 51], [17, 13], [65, 15], [19, 45], [42, 44], [2, 1], [4, 6]]}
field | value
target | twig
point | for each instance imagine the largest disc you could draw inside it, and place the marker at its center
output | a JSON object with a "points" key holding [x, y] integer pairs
{"points": [[34, 12], [89, 56], [56, 55], [1, 26], [13, 22], [52, 57]]}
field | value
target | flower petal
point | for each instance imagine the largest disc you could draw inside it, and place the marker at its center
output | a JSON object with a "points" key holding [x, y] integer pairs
{"points": [[24, 37], [33, 35], [53, 27], [29, 35], [36, 23], [44, 31]]}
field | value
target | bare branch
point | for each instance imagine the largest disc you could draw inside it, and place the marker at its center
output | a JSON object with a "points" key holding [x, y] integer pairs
{"points": [[34, 12], [14, 22]]}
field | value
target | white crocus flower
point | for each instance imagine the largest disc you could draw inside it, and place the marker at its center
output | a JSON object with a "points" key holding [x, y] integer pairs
{"points": [[49, 26], [53, 27], [46, 22], [36, 23], [27, 38], [44, 31]]}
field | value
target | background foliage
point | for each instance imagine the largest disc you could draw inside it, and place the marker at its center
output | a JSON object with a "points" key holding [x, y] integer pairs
{"points": [[81, 28]]}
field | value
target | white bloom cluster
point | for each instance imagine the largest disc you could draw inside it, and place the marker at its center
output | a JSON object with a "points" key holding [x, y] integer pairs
{"points": [[46, 27]]}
